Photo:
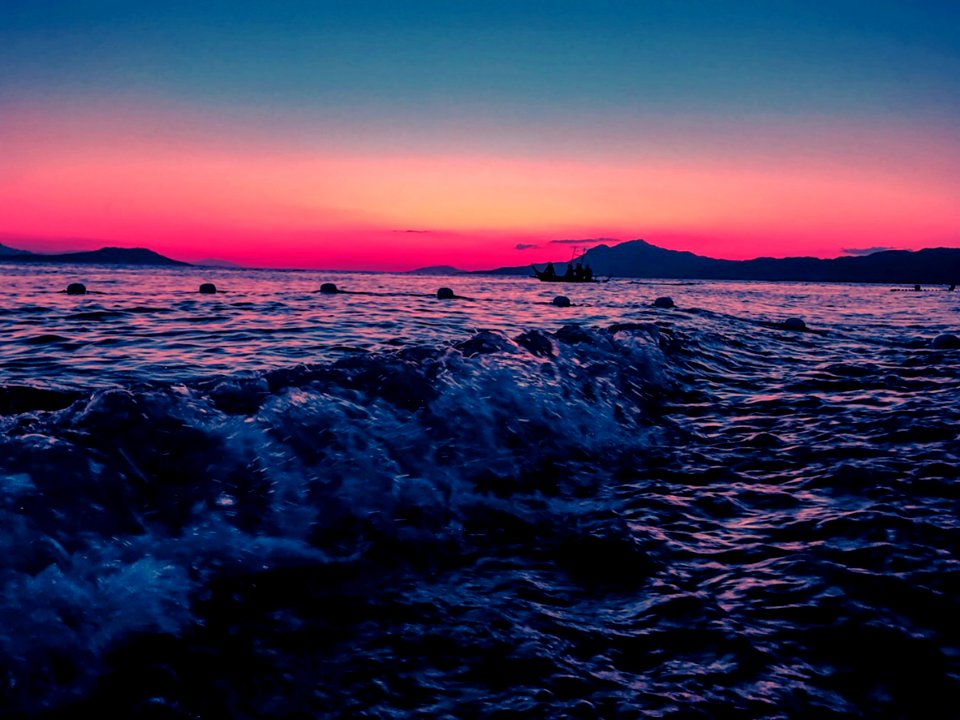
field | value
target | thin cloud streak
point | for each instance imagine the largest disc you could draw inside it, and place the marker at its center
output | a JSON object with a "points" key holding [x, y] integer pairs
{"points": [[589, 241], [867, 250]]}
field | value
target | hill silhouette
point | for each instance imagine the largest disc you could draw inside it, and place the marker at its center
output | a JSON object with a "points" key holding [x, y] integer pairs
{"points": [[640, 259], [103, 256], [436, 270], [6, 250]]}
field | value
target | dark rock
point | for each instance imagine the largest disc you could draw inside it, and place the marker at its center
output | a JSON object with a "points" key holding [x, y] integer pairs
{"points": [[76, 289], [946, 341], [536, 342], [445, 293], [664, 302], [208, 289], [794, 323], [483, 343], [575, 334], [329, 289], [561, 301]]}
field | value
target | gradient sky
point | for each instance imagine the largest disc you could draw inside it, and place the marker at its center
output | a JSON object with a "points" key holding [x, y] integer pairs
{"points": [[389, 135]]}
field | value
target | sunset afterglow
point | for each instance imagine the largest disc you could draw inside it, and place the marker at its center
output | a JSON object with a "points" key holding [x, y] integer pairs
{"points": [[321, 155]]}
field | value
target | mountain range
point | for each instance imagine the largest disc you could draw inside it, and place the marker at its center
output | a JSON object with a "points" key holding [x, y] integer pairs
{"points": [[640, 259]]}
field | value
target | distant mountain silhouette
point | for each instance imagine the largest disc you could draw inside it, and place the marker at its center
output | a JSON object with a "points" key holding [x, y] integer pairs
{"points": [[640, 259], [103, 256], [436, 270], [7, 250]]}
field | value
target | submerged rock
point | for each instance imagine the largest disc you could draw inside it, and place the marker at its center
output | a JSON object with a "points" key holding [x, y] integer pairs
{"points": [[537, 342], [483, 343], [794, 323], [329, 289], [664, 302], [208, 289], [561, 301], [445, 293], [76, 289], [946, 341]]}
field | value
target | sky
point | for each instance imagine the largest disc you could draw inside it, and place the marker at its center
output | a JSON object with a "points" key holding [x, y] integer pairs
{"points": [[367, 134]]}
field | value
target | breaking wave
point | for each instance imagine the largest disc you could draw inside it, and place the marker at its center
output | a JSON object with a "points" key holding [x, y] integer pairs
{"points": [[138, 518]]}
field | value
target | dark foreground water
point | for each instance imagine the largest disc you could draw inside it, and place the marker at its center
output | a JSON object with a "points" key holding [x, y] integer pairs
{"points": [[271, 503]]}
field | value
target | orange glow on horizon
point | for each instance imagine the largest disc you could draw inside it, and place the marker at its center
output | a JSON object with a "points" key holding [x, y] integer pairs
{"points": [[313, 208]]}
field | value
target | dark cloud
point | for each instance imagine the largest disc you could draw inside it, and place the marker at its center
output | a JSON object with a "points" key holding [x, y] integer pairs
{"points": [[583, 241], [866, 251], [525, 246]]}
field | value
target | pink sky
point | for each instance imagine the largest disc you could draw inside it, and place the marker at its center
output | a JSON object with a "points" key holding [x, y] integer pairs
{"points": [[195, 188]]}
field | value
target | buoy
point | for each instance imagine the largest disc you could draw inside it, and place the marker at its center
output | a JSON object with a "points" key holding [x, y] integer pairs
{"points": [[76, 289], [663, 302], [208, 289], [445, 294], [946, 341], [794, 323], [561, 301], [329, 289]]}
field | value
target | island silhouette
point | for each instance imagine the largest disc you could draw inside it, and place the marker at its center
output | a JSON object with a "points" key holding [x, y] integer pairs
{"points": [[640, 259], [633, 259], [103, 256]]}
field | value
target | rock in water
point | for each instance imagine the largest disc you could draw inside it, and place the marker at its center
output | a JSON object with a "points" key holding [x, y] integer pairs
{"points": [[329, 289], [208, 289], [794, 323], [561, 301], [946, 341], [445, 293], [664, 302], [76, 289]]}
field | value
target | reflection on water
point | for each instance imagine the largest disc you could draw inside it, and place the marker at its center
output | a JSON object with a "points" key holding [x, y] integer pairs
{"points": [[151, 323]]}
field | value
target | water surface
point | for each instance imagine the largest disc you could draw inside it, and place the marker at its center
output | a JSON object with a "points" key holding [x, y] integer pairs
{"points": [[276, 503]]}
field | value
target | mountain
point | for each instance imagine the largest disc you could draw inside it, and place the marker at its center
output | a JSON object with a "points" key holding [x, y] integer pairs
{"points": [[436, 270], [103, 256], [640, 259], [6, 250]]}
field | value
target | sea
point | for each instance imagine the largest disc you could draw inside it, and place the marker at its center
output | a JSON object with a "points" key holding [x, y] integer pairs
{"points": [[272, 502]]}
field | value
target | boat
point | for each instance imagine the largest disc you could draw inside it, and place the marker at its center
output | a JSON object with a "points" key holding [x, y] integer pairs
{"points": [[550, 275], [543, 276], [918, 288]]}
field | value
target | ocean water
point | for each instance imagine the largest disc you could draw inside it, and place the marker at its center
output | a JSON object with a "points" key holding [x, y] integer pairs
{"points": [[273, 503]]}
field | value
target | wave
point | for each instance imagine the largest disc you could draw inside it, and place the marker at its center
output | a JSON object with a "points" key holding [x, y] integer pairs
{"points": [[124, 510]]}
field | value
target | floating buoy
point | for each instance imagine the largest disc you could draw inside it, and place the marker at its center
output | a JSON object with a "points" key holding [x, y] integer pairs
{"points": [[561, 301], [664, 302], [946, 341], [329, 289], [76, 289], [445, 294], [794, 323], [208, 289]]}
